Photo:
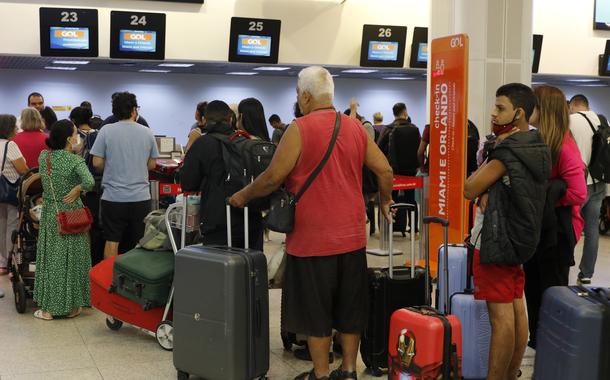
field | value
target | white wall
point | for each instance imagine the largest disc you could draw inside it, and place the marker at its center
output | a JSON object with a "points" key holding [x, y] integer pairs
{"points": [[570, 44], [313, 31], [168, 100]]}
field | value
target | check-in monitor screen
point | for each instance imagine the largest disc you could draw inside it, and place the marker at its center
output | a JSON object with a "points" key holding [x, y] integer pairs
{"points": [[383, 51], [138, 41], [422, 52], [257, 46], [602, 14], [69, 38]]}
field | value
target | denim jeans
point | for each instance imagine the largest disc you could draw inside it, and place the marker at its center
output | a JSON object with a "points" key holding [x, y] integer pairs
{"points": [[590, 213]]}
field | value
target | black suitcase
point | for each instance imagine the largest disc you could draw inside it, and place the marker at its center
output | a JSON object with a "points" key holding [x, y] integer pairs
{"points": [[573, 334], [390, 289], [221, 312]]}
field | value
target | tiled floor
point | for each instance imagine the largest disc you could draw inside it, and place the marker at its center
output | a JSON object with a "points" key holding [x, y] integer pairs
{"points": [[84, 348]]}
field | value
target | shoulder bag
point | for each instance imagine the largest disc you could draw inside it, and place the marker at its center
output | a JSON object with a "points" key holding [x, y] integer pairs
{"points": [[72, 221], [280, 217], [8, 189]]}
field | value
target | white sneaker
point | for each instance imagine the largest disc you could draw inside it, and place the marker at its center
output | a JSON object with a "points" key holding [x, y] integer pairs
{"points": [[583, 281]]}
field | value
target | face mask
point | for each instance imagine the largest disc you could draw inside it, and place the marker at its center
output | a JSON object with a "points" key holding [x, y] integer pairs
{"points": [[76, 143], [500, 129]]}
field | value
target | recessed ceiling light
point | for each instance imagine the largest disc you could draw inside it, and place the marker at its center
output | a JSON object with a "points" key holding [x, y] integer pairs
{"points": [[359, 71], [399, 78], [583, 80], [272, 68], [334, 75], [176, 64], [65, 68], [71, 62], [154, 71], [538, 83], [594, 85], [241, 73]]}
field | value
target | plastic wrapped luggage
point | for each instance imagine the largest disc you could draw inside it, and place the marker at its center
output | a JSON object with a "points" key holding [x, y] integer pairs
{"points": [[144, 276], [390, 289], [573, 334], [221, 311], [423, 343]]}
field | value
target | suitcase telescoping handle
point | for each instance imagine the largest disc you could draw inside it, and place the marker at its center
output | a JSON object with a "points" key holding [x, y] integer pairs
{"points": [[411, 209], [246, 226], [445, 223]]}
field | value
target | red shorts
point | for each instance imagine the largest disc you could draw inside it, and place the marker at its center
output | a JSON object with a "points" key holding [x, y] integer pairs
{"points": [[497, 283]]}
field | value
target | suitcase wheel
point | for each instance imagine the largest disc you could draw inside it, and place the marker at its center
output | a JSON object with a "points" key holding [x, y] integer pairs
{"points": [[183, 375], [20, 296], [165, 336], [113, 324]]}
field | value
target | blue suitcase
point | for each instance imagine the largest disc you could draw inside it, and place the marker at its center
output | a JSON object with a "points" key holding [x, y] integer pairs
{"points": [[573, 334], [476, 334], [458, 273]]}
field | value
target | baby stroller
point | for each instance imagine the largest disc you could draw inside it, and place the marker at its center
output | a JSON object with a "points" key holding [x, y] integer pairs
{"points": [[22, 258], [604, 216]]}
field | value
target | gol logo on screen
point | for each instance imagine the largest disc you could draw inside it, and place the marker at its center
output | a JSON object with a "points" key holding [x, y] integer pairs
{"points": [[384, 47], [69, 34], [138, 36], [254, 41]]}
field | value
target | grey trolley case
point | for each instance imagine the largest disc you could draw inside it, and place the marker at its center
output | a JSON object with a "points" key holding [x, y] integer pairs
{"points": [[221, 311]]}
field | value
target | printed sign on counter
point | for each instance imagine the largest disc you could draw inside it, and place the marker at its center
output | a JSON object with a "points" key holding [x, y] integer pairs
{"points": [[448, 105]]}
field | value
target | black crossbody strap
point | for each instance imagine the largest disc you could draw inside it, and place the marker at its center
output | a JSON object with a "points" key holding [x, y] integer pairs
{"points": [[588, 121], [320, 166]]}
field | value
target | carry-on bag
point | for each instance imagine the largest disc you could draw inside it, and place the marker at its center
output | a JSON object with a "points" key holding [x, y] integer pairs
{"points": [[221, 311], [118, 308], [144, 276], [424, 343], [573, 334], [390, 289]]}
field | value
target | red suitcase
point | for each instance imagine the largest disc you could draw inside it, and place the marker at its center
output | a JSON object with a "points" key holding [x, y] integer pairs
{"points": [[119, 309], [423, 343]]}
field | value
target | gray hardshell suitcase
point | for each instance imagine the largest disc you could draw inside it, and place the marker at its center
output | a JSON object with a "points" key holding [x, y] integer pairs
{"points": [[221, 312], [573, 334]]}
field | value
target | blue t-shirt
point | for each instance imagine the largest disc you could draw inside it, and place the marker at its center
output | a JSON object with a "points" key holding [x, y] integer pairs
{"points": [[126, 147]]}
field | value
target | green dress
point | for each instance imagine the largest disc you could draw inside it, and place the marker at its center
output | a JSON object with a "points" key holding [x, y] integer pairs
{"points": [[62, 261]]}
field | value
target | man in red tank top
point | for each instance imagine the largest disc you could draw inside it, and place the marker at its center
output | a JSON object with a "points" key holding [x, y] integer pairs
{"points": [[325, 282]]}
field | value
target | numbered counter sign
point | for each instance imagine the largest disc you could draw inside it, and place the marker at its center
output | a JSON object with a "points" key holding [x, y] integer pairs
{"points": [[137, 35], [383, 46], [66, 32], [254, 40]]}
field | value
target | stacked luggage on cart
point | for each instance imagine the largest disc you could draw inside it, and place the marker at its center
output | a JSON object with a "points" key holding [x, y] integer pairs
{"points": [[136, 287]]}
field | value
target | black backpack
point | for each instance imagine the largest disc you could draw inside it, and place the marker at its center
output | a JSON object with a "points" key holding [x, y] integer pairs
{"points": [[88, 141], [244, 159], [472, 148], [599, 165], [402, 149]]}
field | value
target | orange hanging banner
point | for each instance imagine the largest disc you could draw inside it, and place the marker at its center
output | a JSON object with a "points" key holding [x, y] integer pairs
{"points": [[448, 120]]}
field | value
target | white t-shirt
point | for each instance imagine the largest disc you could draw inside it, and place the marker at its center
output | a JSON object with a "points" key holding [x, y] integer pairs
{"points": [[583, 135], [13, 154]]}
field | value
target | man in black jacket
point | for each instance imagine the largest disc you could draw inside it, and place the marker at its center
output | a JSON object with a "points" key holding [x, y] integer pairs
{"points": [[204, 170], [511, 187]]}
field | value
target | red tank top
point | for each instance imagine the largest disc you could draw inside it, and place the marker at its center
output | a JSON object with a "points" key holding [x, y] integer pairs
{"points": [[330, 217]]}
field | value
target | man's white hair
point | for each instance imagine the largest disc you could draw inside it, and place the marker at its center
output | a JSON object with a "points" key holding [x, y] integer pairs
{"points": [[317, 81]]}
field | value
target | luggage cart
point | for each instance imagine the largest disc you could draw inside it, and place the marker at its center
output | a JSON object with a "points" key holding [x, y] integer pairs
{"points": [[156, 322]]}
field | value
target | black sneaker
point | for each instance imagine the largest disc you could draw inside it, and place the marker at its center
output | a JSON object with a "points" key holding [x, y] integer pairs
{"points": [[310, 376], [340, 374], [583, 281]]}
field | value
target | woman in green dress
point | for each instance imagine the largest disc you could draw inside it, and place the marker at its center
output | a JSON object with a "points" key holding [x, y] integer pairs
{"points": [[62, 261]]}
